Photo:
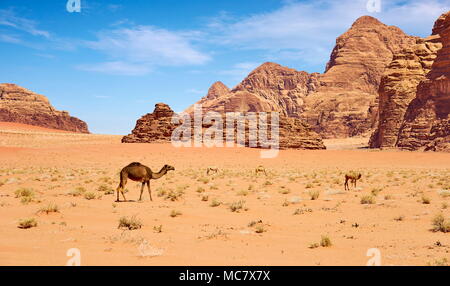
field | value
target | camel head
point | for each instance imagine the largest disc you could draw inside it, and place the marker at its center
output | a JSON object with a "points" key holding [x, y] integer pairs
{"points": [[168, 168]]}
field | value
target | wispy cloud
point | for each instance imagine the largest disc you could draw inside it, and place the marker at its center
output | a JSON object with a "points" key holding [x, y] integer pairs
{"points": [[137, 50], [9, 19], [116, 68], [306, 30], [240, 70]]}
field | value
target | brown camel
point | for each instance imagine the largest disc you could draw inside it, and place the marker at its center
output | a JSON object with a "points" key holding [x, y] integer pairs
{"points": [[352, 177], [260, 169], [140, 173]]}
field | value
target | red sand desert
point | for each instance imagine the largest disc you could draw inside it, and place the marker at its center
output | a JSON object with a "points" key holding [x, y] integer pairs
{"points": [[66, 182]]}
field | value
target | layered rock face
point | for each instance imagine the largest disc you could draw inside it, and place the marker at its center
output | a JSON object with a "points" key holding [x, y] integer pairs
{"points": [[345, 103], [426, 123], [20, 105], [339, 103], [158, 127], [398, 88], [270, 87]]}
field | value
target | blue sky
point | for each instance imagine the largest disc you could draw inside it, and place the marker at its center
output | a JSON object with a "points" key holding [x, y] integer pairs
{"points": [[110, 63]]}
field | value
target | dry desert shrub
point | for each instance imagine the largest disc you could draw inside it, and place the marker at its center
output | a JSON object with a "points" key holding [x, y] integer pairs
{"points": [[130, 223], [79, 191], [215, 203], [368, 199], [175, 213], [157, 229], [314, 195], [26, 195], [27, 223], [325, 241], [425, 200], [237, 206], [107, 190], [174, 195], [90, 196], [50, 208], [440, 223]]}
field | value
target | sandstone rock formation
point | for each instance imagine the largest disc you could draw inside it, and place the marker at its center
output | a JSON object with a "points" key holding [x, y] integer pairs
{"points": [[345, 103], [339, 103], [426, 123], [21, 105], [153, 127], [398, 88], [158, 127]]}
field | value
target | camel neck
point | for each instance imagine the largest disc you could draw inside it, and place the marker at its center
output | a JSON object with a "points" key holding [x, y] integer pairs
{"points": [[158, 175]]}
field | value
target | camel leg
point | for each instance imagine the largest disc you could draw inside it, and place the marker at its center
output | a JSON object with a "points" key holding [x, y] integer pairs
{"points": [[346, 184], [123, 195], [142, 190], [149, 190]]}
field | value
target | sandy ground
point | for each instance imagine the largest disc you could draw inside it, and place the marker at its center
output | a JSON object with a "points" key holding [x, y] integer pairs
{"points": [[278, 224]]}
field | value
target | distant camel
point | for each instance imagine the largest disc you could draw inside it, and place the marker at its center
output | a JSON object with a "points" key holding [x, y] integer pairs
{"points": [[260, 169], [140, 173], [352, 177], [211, 169]]}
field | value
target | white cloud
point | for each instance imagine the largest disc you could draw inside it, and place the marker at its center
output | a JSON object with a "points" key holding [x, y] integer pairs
{"points": [[9, 19], [306, 31], [139, 49], [116, 68]]}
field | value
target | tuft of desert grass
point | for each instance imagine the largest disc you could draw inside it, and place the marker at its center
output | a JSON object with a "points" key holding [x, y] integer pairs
{"points": [[367, 199], [237, 206], [175, 213], [425, 200], [440, 223], [50, 208], [325, 241], [27, 223], [130, 223], [174, 195], [314, 195], [90, 195], [215, 203]]}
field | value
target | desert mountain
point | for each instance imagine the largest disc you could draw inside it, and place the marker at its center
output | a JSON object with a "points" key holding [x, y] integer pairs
{"points": [[338, 103], [18, 104]]}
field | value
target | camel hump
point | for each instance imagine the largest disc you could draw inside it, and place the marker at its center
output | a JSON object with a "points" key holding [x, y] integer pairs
{"points": [[135, 164]]}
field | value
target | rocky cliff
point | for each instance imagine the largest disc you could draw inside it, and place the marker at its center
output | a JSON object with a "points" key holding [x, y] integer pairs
{"points": [[21, 105], [339, 103], [398, 88], [426, 123]]}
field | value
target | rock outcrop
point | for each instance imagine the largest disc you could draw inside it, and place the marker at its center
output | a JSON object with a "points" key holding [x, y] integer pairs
{"points": [[158, 127], [341, 102], [153, 127], [426, 123], [398, 88], [21, 105]]}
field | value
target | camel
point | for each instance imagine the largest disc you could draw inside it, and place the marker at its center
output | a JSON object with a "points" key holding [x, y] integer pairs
{"points": [[140, 173], [352, 177], [260, 169], [211, 169]]}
